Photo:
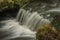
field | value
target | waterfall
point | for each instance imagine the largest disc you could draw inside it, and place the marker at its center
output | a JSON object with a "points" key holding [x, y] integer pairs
{"points": [[30, 19], [23, 27], [25, 24], [12, 30]]}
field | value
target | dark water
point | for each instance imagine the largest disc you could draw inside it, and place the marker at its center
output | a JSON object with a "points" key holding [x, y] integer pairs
{"points": [[8, 13]]}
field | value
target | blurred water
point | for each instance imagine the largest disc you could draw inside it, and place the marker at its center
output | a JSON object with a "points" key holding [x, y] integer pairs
{"points": [[23, 27], [13, 31], [31, 19]]}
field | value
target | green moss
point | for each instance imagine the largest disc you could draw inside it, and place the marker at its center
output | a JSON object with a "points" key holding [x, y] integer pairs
{"points": [[12, 3], [47, 32]]}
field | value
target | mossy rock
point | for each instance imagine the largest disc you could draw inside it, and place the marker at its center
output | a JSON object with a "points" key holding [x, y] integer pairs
{"points": [[47, 32]]}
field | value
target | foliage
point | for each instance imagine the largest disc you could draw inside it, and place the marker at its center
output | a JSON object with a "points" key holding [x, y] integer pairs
{"points": [[47, 32], [11, 3], [6, 4], [56, 22]]}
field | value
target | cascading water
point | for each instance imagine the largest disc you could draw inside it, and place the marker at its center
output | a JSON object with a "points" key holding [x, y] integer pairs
{"points": [[24, 24], [12, 30], [31, 19]]}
